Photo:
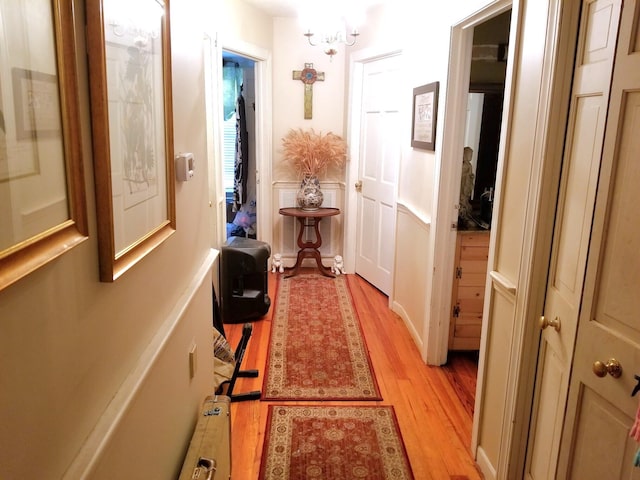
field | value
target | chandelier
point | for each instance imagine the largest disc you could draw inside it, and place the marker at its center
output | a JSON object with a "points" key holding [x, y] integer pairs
{"points": [[325, 26], [330, 40]]}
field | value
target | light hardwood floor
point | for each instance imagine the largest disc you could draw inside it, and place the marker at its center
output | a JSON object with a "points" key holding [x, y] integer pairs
{"points": [[434, 405]]}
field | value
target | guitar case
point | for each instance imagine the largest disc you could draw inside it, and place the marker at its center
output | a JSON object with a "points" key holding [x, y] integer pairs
{"points": [[209, 453]]}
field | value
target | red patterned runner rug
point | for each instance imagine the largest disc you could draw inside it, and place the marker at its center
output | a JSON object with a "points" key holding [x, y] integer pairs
{"points": [[317, 350], [326, 443]]}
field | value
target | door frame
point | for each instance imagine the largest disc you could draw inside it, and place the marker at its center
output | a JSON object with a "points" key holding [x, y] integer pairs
{"points": [[354, 126], [446, 196], [263, 138], [447, 193]]}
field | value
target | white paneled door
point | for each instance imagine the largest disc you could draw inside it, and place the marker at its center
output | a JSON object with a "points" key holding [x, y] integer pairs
{"points": [[378, 172], [590, 344], [600, 410]]}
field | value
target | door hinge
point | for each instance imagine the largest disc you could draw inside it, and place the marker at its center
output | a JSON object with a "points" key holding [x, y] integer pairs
{"points": [[458, 272], [456, 310]]}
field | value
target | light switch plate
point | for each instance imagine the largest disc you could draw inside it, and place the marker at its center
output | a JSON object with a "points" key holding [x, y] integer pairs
{"points": [[193, 360]]}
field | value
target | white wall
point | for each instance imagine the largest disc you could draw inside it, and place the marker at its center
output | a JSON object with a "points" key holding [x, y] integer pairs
{"points": [[291, 52], [238, 22], [411, 272]]}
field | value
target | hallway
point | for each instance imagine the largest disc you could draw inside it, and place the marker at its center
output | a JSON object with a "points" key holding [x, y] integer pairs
{"points": [[434, 405]]}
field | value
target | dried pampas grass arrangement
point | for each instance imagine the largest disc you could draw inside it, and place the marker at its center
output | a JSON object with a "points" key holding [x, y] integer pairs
{"points": [[311, 153]]}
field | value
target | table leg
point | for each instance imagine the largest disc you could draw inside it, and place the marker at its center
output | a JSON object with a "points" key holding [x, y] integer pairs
{"points": [[309, 249]]}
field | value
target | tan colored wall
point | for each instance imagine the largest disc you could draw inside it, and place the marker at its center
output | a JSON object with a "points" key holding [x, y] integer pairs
{"points": [[74, 349]]}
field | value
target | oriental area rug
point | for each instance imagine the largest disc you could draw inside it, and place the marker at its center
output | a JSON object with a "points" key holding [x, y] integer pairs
{"points": [[333, 442], [317, 350]]}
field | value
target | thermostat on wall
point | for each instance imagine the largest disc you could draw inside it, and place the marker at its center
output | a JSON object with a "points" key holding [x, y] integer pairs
{"points": [[184, 166]]}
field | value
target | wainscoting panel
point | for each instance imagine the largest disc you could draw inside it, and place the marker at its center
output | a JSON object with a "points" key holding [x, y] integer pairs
{"points": [[146, 429], [499, 338], [411, 272], [287, 228]]}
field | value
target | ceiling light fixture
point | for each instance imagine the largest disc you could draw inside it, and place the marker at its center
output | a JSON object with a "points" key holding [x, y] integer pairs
{"points": [[325, 25], [330, 40]]}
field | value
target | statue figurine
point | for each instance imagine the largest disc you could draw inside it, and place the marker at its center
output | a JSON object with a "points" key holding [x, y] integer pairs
{"points": [[466, 184], [338, 265], [277, 264]]}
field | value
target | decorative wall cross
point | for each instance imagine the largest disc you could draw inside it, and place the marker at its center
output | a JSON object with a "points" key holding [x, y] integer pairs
{"points": [[308, 76]]}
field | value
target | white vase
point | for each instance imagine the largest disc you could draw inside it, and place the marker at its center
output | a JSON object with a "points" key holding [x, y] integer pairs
{"points": [[309, 197]]}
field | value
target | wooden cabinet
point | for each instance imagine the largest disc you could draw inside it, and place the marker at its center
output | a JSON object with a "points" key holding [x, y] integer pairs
{"points": [[467, 299]]}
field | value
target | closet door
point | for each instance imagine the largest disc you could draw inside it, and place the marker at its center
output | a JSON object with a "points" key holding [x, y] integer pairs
{"points": [[601, 410], [571, 239]]}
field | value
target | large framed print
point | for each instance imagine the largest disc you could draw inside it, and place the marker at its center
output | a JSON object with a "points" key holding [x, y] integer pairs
{"points": [[425, 110], [42, 192], [130, 83]]}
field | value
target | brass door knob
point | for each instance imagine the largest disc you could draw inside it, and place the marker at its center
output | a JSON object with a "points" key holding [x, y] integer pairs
{"points": [[545, 322], [612, 367], [358, 186]]}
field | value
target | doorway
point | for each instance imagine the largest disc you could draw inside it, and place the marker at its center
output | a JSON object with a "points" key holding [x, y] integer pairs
{"points": [[444, 216], [370, 203], [379, 161], [238, 145], [480, 147], [259, 108]]}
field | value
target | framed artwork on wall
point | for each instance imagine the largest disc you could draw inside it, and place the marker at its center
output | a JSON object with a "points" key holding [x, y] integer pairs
{"points": [[42, 193], [37, 104], [425, 110], [130, 83]]}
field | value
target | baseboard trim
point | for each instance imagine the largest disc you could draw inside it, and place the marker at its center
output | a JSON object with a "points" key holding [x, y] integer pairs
{"points": [[397, 308], [485, 465]]}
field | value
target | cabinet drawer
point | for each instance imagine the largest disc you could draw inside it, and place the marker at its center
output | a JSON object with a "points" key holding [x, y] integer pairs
{"points": [[477, 239], [467, 331], [465, 343], [473, 292], [479, 252], [472, 253], [472, 266]]}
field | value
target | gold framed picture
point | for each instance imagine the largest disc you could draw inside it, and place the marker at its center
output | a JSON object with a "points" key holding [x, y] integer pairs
{"points": [[42, 193], [130, 83]]}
